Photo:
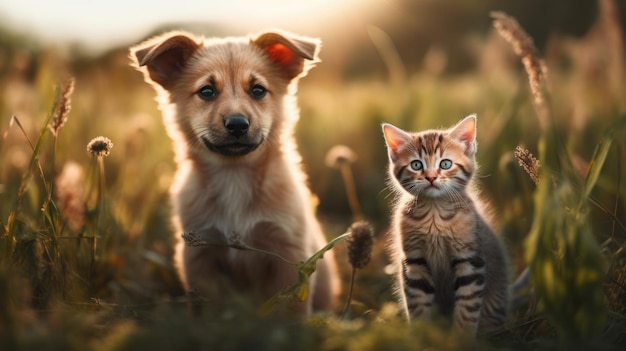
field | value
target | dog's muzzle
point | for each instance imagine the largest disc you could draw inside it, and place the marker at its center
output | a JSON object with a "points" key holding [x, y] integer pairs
{"points": [[238, 142]]}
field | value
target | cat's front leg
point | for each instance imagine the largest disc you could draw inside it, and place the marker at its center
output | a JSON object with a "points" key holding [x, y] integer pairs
{"points": [[469, 289], [419, 288]]}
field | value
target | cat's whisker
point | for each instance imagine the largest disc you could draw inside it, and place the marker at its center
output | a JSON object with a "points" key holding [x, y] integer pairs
{"points": [[390, 191]]}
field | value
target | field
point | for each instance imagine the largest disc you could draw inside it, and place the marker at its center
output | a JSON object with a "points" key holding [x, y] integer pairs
{"points": [[85, 242]]}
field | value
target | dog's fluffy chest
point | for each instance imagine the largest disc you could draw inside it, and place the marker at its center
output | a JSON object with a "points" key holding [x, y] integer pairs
{"points": [[232, 200], [233, 193]]}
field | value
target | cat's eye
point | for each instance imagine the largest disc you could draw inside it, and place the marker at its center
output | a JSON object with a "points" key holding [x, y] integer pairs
{"points": [[207, 93], [258, 91], [445, 164], [416, 165]]}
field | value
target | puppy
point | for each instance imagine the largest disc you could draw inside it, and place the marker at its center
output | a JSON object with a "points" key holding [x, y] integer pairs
{"points": [[229, 106]]}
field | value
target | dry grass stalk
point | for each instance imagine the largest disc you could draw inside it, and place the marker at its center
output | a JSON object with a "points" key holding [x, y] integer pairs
{"points": [[360, 243], [341, 157], [193, 239], [528, 162], [60, 115], [524, 47]]}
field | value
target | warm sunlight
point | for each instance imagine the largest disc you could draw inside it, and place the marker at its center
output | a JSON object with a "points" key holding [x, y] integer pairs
{"points": [[98, 24], [301, 175]]}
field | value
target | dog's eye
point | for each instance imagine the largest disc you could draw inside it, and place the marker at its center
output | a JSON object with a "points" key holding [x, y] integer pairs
{"points": [[207, 93], [258, 91]]}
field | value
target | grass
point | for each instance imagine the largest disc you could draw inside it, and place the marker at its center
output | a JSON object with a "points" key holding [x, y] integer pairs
{"points": [[85, 254]]}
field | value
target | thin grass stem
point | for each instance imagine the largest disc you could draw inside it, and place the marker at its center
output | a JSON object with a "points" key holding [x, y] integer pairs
{"points": [[349, 299]]}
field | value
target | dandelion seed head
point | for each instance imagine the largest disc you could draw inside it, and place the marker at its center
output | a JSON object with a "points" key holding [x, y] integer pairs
{"points": [[340, 155], [360, 243], [100, 146]]}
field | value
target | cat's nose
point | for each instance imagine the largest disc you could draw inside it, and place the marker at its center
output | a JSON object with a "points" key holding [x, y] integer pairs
{"points": [[430, 175]]}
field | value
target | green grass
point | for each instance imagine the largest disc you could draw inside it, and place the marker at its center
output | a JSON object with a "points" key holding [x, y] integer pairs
{"points": [[99, 275]]}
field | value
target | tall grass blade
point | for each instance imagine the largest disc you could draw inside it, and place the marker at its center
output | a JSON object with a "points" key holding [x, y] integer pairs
{"points": [[389, 53], [9, 239], [596, 163]]}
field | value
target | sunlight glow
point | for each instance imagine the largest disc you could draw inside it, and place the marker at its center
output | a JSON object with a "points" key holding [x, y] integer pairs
{"points": [[103, 23]]}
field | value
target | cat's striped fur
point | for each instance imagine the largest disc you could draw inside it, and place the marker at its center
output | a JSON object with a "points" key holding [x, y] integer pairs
{"points": [[447, 257]]}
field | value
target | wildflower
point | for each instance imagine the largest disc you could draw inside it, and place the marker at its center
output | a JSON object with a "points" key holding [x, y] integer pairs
{"points": [[60, 115], [527, 161], [360, 243], [340, 155], [100, 146]]}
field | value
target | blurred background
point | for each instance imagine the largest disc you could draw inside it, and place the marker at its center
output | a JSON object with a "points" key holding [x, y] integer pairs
{"points": [[419, 63], [415, 63]]}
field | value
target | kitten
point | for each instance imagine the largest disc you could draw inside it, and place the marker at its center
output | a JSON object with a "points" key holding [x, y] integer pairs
{"points": [[447, 257]]}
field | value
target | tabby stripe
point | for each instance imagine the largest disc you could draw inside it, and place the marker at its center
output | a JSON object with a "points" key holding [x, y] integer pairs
{"points": [[479, 278], [421, 284], [499, 311], [465, 171], [399, 172], [447, 218], [472, 308], [418, 218], [468, 318], [413, 306], [420, 261], [409, 294], [495, 309], [462, 181], [438, 145], [475, 261], [474, 295]]}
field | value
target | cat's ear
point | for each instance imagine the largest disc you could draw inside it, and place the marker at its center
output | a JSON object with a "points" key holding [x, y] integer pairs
{"points": [[395, 138], [465, 131]]}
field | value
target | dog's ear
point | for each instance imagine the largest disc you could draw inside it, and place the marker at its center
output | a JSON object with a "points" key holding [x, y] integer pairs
{"points": [[164, 56], [289, 51]]}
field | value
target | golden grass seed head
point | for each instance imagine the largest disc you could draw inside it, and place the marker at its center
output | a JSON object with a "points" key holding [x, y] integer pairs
{"points": [[193, 239], [528, 162], [60, 116], [535, 68]]}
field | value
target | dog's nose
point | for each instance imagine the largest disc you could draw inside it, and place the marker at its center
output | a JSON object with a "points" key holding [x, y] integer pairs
{"points": [[237, 125]]}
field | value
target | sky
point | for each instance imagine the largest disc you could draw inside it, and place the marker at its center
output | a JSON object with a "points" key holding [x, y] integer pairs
{"points": [[97, 24]]}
